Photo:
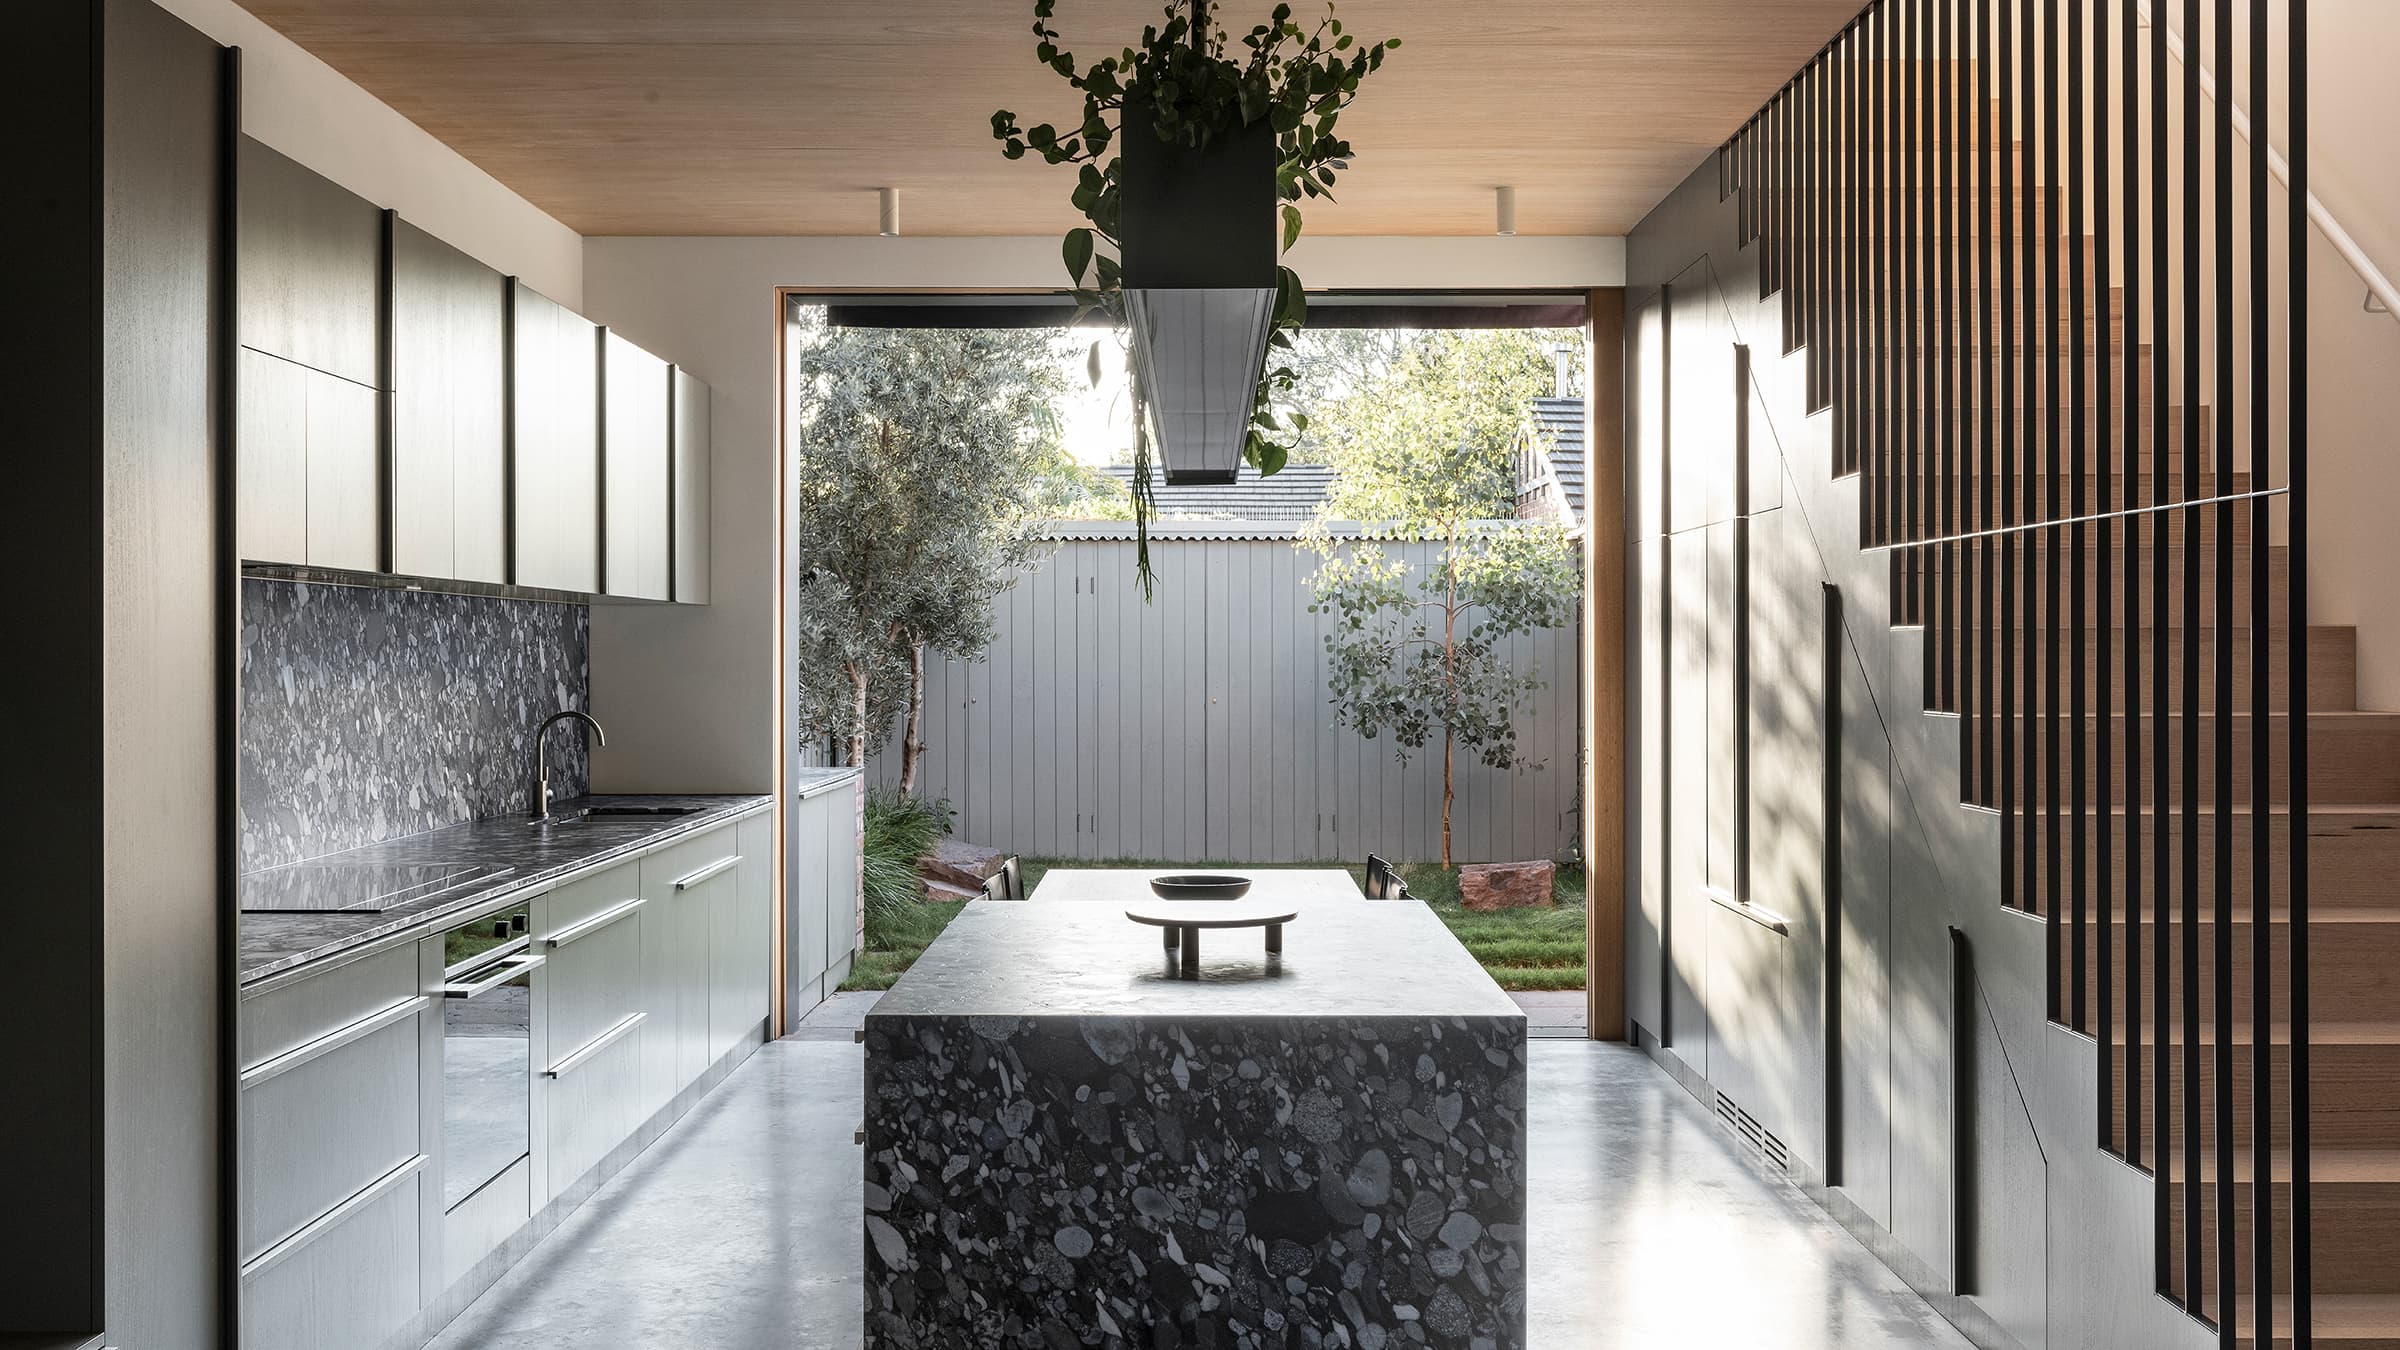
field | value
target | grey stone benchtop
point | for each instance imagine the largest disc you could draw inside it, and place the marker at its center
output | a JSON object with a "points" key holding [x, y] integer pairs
{"points": [[272, 944], [1342, 957]]}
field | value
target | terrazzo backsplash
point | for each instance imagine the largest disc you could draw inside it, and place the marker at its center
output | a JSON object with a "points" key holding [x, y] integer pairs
{"points": [[371, 714]]}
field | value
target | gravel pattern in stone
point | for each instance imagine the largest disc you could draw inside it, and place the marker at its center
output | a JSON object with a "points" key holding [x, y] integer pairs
{"points": [[1195, 1182], [373, 714]]}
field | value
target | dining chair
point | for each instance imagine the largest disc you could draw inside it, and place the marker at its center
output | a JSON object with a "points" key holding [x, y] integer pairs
{"points": [[1383, 882]]}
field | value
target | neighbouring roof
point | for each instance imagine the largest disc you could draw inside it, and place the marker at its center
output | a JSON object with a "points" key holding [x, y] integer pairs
{"points": [[1290, 495], [1560, 420]]}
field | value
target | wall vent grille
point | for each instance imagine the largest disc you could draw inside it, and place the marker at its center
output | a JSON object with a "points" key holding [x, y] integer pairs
{"points": [[1755, 1135]]}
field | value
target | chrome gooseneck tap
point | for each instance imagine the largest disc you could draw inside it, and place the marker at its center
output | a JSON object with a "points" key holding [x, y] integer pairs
{"points": [[541, 756]]}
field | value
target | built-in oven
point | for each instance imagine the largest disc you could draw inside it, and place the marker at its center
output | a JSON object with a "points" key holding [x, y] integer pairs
{"points": [[487, 1051]]}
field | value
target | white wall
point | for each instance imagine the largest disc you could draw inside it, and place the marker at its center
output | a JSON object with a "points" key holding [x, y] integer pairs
{"points": [[304, 108], [687, 695], [2354, 357]]}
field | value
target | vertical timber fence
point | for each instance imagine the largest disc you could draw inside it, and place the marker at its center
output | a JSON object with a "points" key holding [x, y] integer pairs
{"points": [[1196, 728]]}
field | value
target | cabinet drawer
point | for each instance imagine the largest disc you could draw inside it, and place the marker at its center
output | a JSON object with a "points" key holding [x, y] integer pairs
{"points": [[592, 1103], [575, 901], [352, 1282], [317, 1133], [688, 859], [592, 979], [292, 1015]]}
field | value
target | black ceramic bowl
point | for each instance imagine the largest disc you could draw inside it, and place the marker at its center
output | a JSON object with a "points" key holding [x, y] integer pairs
{"points": [[1200, 886]]}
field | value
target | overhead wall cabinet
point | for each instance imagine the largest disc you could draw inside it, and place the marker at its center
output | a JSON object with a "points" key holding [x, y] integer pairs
{"points": [[449, 416], [403, 409], [309, 318], [692, 501], [554, 471], [637, 477]]}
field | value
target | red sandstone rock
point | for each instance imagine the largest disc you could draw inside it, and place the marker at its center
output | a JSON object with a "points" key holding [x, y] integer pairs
{"points": [[1511, 885]]}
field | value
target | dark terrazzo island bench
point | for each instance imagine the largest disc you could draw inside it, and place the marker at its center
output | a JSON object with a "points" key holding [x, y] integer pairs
{"points": [[1069, 1146]]}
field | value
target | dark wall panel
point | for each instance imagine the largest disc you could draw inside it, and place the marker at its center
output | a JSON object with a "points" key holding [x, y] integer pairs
{"points": [[162, 566], [1863, 910]]}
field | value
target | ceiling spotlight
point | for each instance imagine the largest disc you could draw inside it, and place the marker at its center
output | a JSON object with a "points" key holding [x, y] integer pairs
{"points": [[1507, 210], [890, 228]]}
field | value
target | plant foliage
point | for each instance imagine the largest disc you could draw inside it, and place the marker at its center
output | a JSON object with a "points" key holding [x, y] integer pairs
{"points": [[1188, 83], [1426, 453], [925, 460], [899, 829]]}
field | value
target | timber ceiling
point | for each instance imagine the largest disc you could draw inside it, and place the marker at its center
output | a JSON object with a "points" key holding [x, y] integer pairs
{"points": [[773, 117]]}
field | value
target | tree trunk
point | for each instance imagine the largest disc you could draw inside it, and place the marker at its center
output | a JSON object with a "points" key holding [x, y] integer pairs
{"points": [[858, 716], [912, 741], [1449, 684], [1448, 793]]}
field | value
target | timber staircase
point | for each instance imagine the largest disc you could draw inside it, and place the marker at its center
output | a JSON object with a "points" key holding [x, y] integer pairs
{"points": [[2024, 295]]}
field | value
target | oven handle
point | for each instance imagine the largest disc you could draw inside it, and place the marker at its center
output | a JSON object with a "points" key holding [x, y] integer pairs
{"points": [[502, 973], [484, 960]]}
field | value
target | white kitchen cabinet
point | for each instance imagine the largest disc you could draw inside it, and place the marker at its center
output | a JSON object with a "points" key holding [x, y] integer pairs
{"points": [[637, 475], [680, 881], [555, 444], [449, 455], [592, 1023], [334, 1164], [692, 500], [741, 940]]}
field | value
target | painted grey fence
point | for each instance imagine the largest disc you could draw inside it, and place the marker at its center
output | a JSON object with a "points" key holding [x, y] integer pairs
{"points": [[1196, 728]]}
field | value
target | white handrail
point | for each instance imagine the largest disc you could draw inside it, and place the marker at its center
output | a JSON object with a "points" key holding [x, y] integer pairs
{"points": [[2378, 285]]}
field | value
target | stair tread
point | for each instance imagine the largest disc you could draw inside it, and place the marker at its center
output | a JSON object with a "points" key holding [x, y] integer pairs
{"points": [[2319, 1032], [2334, 1166], [2339, 1317], [2320, 917]]}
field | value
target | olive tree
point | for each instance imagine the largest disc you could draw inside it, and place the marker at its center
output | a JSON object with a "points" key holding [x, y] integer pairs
{"points": [[924, 462], [1424, 453]]}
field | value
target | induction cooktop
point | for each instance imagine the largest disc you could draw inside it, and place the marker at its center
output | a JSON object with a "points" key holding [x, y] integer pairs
{"points": [[353, 888]]}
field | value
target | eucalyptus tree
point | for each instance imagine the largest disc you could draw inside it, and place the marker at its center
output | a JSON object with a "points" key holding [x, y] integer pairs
{"points": [[1425, 454], [925, 461]]}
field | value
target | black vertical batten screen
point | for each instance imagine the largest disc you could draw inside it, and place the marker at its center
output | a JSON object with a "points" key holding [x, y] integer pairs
{"points": [[2101, 312], [2262, 741], [2015, 381], [2011, 880], [2295, 620], [2221, 370], [2191, 582], [2161, 818], [2072, 538], [1987, 456], [2130, 126]]}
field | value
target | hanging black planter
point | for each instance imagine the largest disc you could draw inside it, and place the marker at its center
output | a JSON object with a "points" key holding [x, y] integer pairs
{"points": [[1198, 231]]}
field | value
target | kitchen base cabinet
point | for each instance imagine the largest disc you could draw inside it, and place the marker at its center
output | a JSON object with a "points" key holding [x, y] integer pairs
{"points": [[353, 1281], [333, 1199], [644, 981], [681, 883], [590, 1010], [821, 895], [741, 937], [594, 1101]]}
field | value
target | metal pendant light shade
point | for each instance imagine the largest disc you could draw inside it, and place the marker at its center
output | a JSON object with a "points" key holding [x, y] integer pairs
{"points": [[1199, 353], [1198, 226]]}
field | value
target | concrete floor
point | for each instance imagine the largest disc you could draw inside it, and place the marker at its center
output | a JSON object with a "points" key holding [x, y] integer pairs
{"points": [[739, 1229]]}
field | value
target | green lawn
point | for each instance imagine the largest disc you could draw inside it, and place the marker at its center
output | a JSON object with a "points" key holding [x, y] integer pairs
{"points": [[1522, 948]]}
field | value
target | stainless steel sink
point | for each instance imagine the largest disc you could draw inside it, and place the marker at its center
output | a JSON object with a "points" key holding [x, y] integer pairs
{"points": [[624, 815]]}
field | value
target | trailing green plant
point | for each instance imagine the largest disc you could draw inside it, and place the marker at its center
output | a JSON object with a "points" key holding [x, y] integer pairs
{"points": [[898, 831], [1189, 83]]}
